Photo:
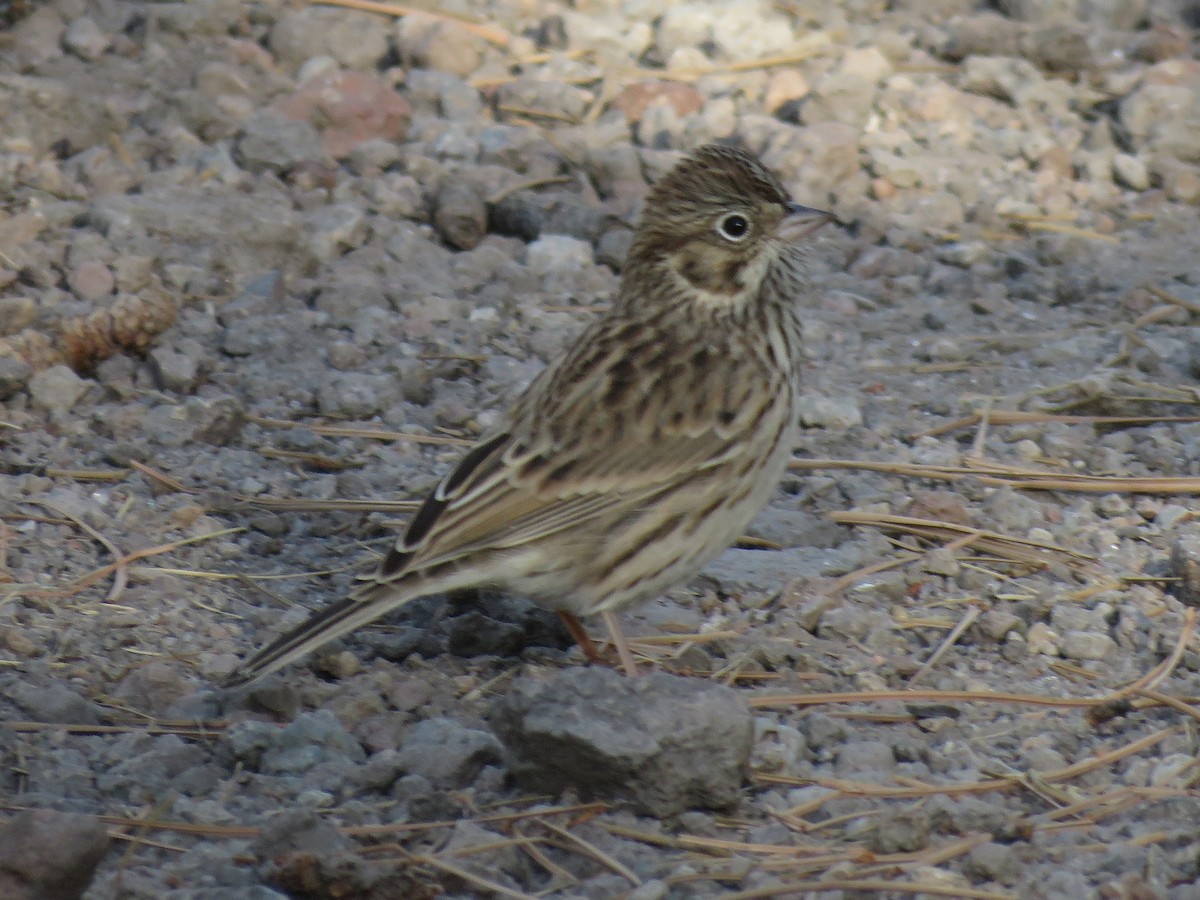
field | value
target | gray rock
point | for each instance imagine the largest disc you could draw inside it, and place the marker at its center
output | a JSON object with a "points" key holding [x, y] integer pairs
{"points": [[777, 747], [308, 741], [272, 142], [1122, 14], [213, 421], [175, 371], [332, 230], [993, 862], [900, 830], [54, 702], [865, 759], [446, 752], [357, 395], [552, 98], [1005, 77], [829, 412], [443, 93], [239, 230], [441, 44], [57, 389], [663, 743], [847, 94], [1087, 645], [357, 40], [1165, 119], [764, 570], [154, 687], [529, 214], [997, 623], [460, 214], [557, 254], [348, 290], [145, 777], [941, 561], [46, 855], [297, 831], [86, 39], [14, 375], [1131, 171]]}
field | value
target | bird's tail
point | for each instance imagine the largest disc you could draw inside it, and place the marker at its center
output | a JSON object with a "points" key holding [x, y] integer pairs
{"points": [[362, 607]]}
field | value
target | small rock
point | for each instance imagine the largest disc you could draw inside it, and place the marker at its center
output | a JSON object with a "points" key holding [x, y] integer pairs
{"points": [[152, 688], [348, 108], [46, 855], [16, 313], [635, 99], [1085, 645], [297, 831], [14, 375], [460, 214], [1180, 181], [1119, 14], [941, 561], [901, 830], [777, 747], [272, 141], [1176, 769], [847, 94], [143, 775], [356, 395], [446, 752], [1042, 639], [175, 371], [91, 280], [865, 759], [54, 702], [1027, 450], [662, 742], [439, 44], [1164, 119], [86, 39], [1003, 77], [993, 862], [964, 253], [945, 506], [784, 88], [356, 40], [749, 29], [334, 229], [530, 96], [1111, 505], [1131, 171], [57, 389], [829, 412], [997, 623], [558, 254], [308, 741]]}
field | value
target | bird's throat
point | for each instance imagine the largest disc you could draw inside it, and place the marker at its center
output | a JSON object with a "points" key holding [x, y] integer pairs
{"points": [[718, 280]]}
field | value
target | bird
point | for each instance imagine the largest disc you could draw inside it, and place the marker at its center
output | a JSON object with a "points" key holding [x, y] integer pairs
{"points": [[646, 447]]}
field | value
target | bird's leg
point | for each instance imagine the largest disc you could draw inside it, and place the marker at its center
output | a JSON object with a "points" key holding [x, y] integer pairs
{"points": [[585, 643], [622, 645]]}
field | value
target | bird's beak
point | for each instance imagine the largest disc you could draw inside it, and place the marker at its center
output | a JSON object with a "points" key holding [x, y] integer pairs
{"points": [[801, 221]]}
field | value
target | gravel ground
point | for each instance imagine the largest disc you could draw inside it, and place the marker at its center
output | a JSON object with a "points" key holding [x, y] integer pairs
{"points": [[265, 265]]}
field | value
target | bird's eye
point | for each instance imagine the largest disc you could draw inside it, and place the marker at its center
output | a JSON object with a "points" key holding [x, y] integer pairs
{"points": [[733, 227]]}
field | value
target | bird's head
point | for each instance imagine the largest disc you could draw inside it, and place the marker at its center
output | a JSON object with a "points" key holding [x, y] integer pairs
{"points": [[716, 226]]}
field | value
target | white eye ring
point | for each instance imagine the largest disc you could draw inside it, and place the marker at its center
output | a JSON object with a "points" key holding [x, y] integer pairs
{"points": [[733, 227]]}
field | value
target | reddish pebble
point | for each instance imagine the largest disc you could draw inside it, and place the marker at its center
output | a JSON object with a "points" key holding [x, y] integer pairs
{"points": [[91, 280]]}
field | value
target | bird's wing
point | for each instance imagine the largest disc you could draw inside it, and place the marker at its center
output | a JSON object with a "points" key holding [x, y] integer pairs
{"points": [[586, 439]]}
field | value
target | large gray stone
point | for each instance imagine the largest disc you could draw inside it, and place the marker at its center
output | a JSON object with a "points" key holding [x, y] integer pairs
{"points": [[663, 743], [46, 855]]}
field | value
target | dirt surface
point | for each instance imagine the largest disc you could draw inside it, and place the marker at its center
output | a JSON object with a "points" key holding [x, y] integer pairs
{"points": [[265, 267]]}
